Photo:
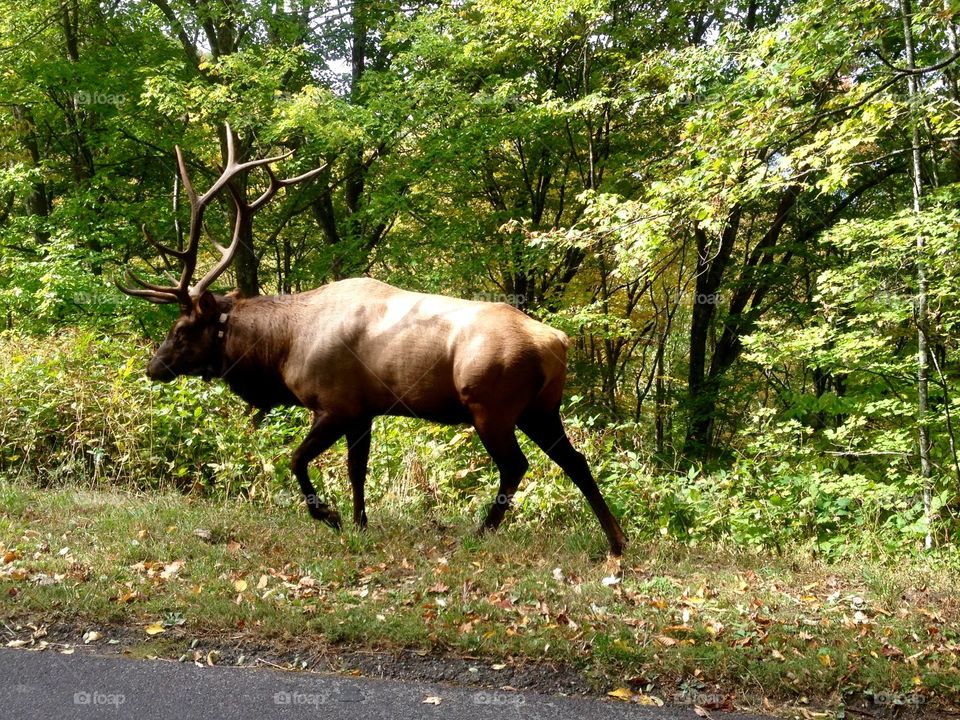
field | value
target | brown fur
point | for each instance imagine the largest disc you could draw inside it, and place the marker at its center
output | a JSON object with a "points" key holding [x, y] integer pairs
{"points": [[356, 349]]}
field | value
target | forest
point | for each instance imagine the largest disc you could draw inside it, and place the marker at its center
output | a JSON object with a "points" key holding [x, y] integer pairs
{"points": [[744, 215]]}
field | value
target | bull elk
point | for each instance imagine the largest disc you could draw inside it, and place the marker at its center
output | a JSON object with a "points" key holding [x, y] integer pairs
{"points": [[355, 349]]}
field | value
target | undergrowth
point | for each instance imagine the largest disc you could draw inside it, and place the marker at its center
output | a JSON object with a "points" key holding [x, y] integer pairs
{"points": [[77, 409]]}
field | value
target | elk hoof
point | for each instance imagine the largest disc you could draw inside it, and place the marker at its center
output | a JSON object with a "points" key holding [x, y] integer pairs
{"points": [[324, 513], [332, 519]]}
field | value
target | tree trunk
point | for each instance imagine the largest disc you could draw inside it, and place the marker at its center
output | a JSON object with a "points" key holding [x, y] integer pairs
{"points": [[38, 202], [906, 13], [702, 390]]}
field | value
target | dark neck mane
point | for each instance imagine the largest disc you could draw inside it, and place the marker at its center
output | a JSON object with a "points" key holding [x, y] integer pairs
{"points": [[257, 336]]}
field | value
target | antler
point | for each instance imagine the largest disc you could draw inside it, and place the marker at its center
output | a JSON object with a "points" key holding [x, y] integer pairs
{"points": [[182, 292]]}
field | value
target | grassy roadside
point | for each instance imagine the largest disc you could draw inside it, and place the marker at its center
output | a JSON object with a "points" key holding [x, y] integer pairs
{"points": [[723, 626]]}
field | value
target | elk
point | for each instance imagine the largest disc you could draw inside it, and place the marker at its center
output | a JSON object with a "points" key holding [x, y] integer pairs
{"points": [[356, 349]]}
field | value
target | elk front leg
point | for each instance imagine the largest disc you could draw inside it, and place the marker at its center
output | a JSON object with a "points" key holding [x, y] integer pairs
{"points": [[324, 433], [358, 452]]}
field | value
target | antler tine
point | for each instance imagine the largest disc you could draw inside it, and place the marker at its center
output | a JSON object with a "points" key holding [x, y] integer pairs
{"points": [[226, 253], [244, 209], [145, 294], [153, 293], [234, 168], [183, 292], [276, 183], [166, 250]]}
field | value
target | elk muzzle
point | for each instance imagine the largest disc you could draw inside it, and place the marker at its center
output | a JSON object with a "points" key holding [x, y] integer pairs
{"points": [[159, 370]]}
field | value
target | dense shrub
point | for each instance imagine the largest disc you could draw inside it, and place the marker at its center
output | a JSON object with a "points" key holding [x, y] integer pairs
{"points": [[77, 409]]}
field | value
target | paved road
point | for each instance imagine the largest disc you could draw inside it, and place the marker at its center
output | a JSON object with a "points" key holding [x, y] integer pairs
{"points": [[52, 686]]}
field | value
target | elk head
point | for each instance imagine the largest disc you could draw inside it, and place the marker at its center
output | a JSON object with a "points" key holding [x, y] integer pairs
{"points": [[192, 346]]}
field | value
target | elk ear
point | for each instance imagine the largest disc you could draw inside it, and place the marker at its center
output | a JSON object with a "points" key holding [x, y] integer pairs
{"points": [[206, 305]]}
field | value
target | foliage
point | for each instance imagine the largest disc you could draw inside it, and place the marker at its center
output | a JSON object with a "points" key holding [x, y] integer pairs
{"points": [[713, 204], [80, 412]]}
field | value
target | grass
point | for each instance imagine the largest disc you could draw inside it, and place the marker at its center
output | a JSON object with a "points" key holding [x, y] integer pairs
{"points": [[735, 626]]}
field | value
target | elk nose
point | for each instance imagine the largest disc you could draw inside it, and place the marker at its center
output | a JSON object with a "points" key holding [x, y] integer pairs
{"points": [[159, 370]]}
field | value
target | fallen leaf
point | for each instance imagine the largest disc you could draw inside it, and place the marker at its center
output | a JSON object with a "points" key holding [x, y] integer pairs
{"points": [[432, 700], [240, 585], [621, 693], [17, 643], [91, 636], [155, 629], [650, 700], [498, 666], [170, 570]]}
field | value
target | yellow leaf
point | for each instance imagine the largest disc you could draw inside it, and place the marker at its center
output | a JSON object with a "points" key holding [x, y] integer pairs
{"points": [[651, 700], [621, 694], [825, 660], [154, 629], [240, 585]]}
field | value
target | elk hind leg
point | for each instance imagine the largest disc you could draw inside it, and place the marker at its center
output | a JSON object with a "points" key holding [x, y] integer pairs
{"points": [[546, 430], [501, 442], [358, 452]]}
